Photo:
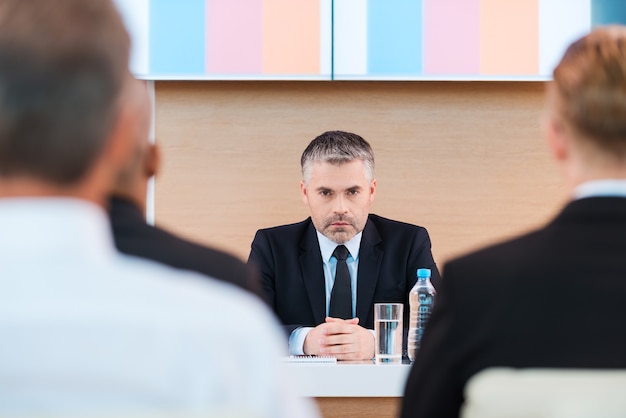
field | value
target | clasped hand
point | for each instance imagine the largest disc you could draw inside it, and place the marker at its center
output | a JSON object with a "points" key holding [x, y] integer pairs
{"points": [[344, 339]]}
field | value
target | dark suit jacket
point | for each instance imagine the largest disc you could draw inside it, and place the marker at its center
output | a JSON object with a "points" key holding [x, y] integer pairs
{"points": [[553, 298], [292, 275], [135, 237]]}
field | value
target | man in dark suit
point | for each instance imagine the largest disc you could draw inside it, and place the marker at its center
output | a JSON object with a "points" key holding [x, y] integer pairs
{"points": [[300, 268], [134, 236], [556, 296]]}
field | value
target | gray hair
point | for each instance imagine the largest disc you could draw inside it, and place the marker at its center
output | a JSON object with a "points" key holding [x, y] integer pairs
{"points": [[63, 64], [337, 147]]}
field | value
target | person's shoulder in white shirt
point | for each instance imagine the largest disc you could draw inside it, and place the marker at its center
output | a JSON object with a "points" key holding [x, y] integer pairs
{"points": [[236, 343], [84, 327]]}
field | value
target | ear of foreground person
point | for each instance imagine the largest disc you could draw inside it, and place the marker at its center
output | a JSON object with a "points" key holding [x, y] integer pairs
{"points": [[85, 330], [553, 298], [134, 236]]}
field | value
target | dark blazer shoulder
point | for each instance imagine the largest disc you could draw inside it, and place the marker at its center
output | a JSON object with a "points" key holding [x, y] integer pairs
{"points": [[505, 250], [381, 220], [287, 229], [385, 224], [286, 235], [133, 236], [388, 232], [581, 213]]}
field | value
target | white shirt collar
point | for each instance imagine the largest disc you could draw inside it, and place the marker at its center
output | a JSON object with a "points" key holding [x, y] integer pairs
{"points": [[54, 227], [327, 246], [601, 188]]}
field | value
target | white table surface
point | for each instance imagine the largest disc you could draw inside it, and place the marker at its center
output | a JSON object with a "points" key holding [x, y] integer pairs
{"points": [[349, 379]]}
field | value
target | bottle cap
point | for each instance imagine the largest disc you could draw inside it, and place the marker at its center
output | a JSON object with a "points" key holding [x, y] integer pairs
{"points": [[423, 273]]}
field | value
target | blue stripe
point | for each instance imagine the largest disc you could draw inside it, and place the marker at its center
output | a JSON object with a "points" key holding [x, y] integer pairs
{"points": [[394, 37], [604, 12], [177, 37]]}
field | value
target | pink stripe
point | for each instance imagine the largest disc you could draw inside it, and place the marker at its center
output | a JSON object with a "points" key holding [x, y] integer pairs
{"points": [[451, 36], [234, 41]]}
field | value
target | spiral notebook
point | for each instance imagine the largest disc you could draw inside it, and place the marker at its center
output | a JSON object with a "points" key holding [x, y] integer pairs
{"points": [[311, 359]]}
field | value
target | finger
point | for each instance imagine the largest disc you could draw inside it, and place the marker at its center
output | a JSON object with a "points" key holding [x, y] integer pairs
{"points": [[339, 339], [342, 327], [350, 321], [339, 350]]}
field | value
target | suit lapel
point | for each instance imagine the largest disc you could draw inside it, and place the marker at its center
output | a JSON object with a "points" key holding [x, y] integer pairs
{"points": [[370, 259], [313, 273]]}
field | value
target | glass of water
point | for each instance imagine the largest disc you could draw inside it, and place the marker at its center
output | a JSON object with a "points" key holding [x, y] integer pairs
{"points": [[388, 332]]}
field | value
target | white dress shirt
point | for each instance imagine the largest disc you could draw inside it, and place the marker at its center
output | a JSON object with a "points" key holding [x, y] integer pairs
{"points": [[84, 329]]}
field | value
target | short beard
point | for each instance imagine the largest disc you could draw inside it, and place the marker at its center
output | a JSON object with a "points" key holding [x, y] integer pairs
{"points": [[341, 235]]}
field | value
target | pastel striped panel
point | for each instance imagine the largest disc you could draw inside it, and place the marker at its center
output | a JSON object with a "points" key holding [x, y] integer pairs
{"points": [[555, 38], [509, 37], [350, 37], [604, 12], [291, 37], [177, 34], [326, 37], [136, 17], [394, 37], [451, 37], [234, 31], [404, 39]]}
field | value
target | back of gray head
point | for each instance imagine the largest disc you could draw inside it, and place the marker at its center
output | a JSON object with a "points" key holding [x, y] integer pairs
{"points": [[63, 64]]}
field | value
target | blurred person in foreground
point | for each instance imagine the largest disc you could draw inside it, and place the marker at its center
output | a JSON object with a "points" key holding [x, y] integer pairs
{"points": [[85, 329], [299, 263], [553, 298], [134, 236]]}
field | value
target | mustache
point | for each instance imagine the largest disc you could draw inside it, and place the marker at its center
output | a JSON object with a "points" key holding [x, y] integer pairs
{"points": [[340, 218]]}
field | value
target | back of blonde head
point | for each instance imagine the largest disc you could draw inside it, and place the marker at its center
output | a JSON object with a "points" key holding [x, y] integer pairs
{"points": [[590, 84]]}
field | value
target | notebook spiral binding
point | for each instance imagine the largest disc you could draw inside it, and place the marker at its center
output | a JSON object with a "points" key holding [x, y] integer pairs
{"points": [[311, 359]]}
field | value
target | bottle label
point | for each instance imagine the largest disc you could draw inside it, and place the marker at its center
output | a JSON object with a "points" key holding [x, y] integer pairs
{"points": [[422, 303], [426, 302]]}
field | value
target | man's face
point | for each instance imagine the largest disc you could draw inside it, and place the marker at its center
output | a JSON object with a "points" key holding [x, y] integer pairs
{"points": [[338, 197]]}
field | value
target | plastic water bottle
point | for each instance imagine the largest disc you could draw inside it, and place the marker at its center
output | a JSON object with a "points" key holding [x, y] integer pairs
{"points": [[421, 302]]}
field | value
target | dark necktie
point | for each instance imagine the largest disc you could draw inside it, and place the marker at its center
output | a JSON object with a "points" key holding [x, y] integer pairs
{"points": [[341, 295]]}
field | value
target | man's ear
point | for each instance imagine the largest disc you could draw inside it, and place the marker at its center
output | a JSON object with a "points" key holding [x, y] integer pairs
{"points": [[372, 190], [152, 161], [556, 138], [303, 193], [554, 127]]}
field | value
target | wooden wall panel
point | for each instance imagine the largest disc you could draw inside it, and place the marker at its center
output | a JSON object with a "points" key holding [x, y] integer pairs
{"points": [[465, 159]]}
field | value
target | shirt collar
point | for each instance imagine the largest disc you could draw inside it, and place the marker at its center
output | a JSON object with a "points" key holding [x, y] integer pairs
{"points": [[601, 188], [327, 246], [54, 227]]}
